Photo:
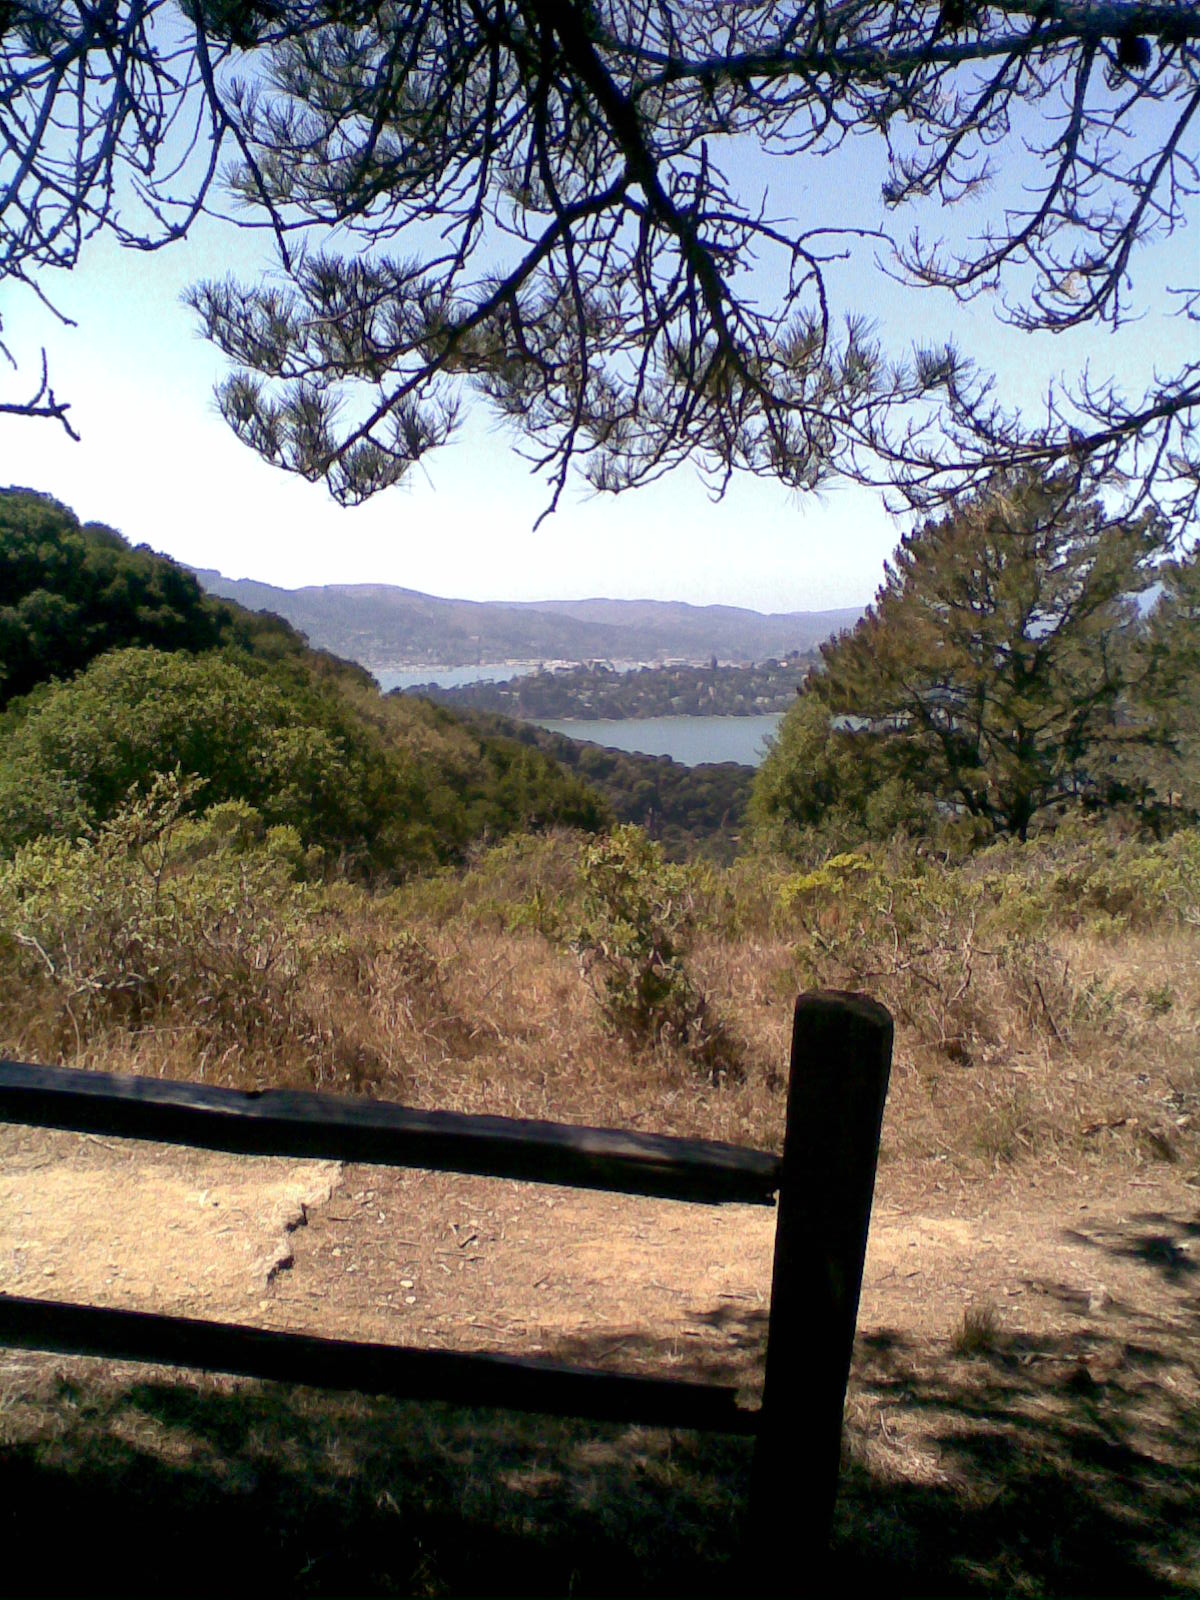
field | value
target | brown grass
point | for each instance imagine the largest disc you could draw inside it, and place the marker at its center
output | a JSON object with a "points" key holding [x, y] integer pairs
{"points": [[1071, 1055], [1080, 1050], [977, 1333]]}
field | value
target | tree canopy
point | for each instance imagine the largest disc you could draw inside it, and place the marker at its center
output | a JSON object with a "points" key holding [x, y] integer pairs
{"points": [[246, 732], [548, 205], [999, 669], [116, 668], [824, 782], [69, 592], [1170, 697], [374, 793]]}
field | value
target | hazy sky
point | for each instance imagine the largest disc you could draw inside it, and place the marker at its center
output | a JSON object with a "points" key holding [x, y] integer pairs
{"points": [[157, 462]]}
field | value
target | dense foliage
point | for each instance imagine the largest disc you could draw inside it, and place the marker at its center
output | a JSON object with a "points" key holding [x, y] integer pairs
{"points": [[1167, 775], [245, 730], [132, 673], [70, 591], [832, 782], [688, 810], [155, 913], [199, 930], [1001, 671], [278, 738]]}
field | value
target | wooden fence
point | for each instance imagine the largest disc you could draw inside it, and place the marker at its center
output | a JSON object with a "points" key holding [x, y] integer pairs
{"points": [[822, 1184]]}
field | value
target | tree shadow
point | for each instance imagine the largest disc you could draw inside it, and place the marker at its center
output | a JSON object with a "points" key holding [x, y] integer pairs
{"points": [[1064, 1464], [1170, 1245]]}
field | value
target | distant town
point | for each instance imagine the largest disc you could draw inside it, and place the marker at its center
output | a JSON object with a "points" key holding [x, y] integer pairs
{"points": [[601, 691]]}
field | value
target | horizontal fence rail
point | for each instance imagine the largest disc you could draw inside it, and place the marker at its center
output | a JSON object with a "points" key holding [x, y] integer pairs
{"points": [[287, 1122], [824, 1180], [469, 1378]]}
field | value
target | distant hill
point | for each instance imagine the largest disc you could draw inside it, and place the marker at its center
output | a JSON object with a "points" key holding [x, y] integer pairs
{"points": [[383, 626], [116, 668]]}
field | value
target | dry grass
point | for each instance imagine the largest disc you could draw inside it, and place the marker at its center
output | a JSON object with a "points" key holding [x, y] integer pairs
{"points": [[977, 1333], [1071, 1051], [1068, 1045], [1057, 1464]]}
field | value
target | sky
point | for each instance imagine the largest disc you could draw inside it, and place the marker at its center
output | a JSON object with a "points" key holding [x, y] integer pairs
{"points": [[157, 462]]}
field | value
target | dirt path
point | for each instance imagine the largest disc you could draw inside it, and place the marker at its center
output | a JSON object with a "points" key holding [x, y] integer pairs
{"points": [[1026, 1390], [415, 1257], [148, 1227]]}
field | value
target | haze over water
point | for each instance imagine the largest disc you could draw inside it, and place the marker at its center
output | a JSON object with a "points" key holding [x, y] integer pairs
{"points": [[691, 740]]}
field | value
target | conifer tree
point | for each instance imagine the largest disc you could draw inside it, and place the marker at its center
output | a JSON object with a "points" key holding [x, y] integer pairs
{"points": [[1169, 698], [996, 663], [600, 217]]}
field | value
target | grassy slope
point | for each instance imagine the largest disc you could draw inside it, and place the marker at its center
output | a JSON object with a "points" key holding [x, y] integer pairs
{"points": [[1048, 1007]]}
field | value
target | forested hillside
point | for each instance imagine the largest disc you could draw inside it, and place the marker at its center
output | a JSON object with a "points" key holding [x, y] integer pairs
{"points": [[116, 669], [690, 811], [70, 591]]}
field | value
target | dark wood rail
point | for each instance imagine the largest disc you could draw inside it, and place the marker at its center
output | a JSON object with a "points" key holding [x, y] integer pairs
{"points": [[286, 1122], [841, 1058], [469, 1378]]}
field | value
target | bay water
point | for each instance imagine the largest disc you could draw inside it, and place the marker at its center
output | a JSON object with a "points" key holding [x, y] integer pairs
{"points": [[690, 740]]}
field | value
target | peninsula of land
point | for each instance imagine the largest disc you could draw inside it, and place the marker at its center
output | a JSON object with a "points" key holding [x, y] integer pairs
{"points": [[599, 692]]}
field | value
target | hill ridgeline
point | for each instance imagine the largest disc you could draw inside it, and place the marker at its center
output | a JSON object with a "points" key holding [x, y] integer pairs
{"points": [[380, 625]]}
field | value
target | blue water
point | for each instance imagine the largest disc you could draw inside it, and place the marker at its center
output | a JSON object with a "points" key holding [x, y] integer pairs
{"points": [[452, 677], [690, 740]]}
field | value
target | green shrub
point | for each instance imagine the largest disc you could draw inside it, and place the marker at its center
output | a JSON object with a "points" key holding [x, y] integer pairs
{"points": [[528, 880], [638, 923], [928, 940], [157, 913], [382, 784], [969, 954], [266, 735], [1130, 884], [823, 787]]}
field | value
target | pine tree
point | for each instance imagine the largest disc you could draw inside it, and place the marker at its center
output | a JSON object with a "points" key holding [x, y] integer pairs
{"points": [[604, 217], [1169, 697], [999, 654]]}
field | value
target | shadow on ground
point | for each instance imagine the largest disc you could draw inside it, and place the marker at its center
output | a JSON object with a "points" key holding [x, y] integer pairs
{"points": [[1064, 1464]]}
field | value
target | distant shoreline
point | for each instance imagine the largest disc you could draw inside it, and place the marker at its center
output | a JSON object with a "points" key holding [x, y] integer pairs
{"points": [[534, 664]]}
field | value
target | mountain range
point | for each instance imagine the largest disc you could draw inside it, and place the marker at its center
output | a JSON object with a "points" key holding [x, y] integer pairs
{"points": [[383, 626]]}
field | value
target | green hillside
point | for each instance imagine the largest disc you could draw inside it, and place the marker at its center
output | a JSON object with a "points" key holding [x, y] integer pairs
{"points": [[691, 811], [116, 668]]}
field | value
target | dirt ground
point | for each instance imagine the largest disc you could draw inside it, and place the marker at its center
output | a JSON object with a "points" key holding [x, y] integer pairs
{"points": [[1017, 1333]]}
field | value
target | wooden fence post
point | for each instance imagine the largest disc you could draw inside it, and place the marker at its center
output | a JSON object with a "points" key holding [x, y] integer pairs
{"points": [[841, 1059]]}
